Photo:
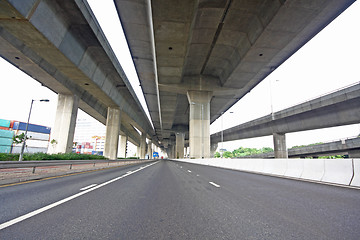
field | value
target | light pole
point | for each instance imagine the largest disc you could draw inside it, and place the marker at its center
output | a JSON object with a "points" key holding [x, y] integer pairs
{"points": [[222, 134], [26, 128], [271, 100]]}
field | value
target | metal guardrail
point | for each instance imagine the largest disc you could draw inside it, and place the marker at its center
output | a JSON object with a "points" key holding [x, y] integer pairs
{"points": [[48, 163]]}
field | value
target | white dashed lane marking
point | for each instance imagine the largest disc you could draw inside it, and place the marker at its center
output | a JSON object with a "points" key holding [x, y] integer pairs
{"points": [[90, 186], [214, 184]]}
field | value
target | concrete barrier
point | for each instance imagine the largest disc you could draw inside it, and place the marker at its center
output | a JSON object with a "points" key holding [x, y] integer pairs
{"points": [[295, 168], [268, 166], [258, 165], [244, 165], [356, 179], [279, 167], [338, 171], [313, 169]]}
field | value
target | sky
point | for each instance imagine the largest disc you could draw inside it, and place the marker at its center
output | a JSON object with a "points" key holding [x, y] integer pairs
{"points": [[327, 63]]}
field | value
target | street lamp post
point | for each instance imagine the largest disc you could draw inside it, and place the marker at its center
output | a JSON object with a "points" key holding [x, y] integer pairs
{"points": [[26, 128], [222, 134], [271, 100]]}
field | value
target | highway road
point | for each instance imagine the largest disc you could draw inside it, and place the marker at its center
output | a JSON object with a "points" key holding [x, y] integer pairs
{"points": [[173, 200]]}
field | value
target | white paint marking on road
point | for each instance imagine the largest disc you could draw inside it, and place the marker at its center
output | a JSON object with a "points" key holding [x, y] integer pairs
{"points": [[189, 171], [180, 166], [43, 209], [197, 175], [90, 186], [214, 184], [129, 172]]}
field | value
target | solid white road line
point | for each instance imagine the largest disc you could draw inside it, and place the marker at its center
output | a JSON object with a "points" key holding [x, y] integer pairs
{"points": [[214, 184], [90, 186], [43, 209]]}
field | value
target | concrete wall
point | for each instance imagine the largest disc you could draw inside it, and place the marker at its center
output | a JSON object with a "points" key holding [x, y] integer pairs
{"points": [[336, 171]]}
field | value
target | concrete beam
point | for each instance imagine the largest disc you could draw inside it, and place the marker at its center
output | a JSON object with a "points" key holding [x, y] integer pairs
{"points": [[69, 54]]}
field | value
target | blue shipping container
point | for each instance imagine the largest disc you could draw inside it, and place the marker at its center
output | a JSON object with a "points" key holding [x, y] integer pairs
{"points": [[6, 141], [4, 123], [5, 149], [100, 153], [31, 127], [6, 133]]}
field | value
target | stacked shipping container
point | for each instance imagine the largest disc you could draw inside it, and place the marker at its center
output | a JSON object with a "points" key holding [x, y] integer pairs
{"points": [[6, 136], [38, 137]]}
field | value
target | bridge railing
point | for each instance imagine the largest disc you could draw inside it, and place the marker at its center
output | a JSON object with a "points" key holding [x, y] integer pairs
{"points": [[319, 96]]}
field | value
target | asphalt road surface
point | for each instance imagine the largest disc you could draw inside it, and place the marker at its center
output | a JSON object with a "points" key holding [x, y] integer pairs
{"points": [[173, 200]]}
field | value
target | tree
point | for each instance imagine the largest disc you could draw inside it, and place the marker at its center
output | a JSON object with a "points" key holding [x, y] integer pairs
{"points": [[19, 138], [227, 154]]}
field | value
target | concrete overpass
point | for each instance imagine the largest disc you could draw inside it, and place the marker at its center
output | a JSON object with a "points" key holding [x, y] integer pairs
{"points": [[349, 147], [335, 109], [61, 45], [195, 59]]}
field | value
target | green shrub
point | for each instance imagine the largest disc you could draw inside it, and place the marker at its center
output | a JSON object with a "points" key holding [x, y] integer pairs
{"points": [[45, 156]]}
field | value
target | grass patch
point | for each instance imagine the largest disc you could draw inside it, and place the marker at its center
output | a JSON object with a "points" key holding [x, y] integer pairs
{"points": [[45, 156]]}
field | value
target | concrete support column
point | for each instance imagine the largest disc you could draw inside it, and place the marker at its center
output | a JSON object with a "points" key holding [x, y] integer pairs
{"points": [[138, 151], [354, 154], [180, 142], [122, 146], [171, 151], [112, 133], [64, 126], [143, 146], [173, 147], [280, 150], [199, 123], [150, 150], [213, 148]]}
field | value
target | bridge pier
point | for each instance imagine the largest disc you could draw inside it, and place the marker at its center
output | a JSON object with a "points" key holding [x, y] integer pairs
{"points": [[199, 123], [122, 146], [112, 133], [280, 150], [180, 143], [213, 148], [150, 150], [354, 154], [142, 147], [64, 126], [173, 150]]}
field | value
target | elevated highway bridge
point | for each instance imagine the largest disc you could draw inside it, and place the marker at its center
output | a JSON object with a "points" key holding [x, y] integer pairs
{"points": [[194, 59], [349, 147], [335, 109]]}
